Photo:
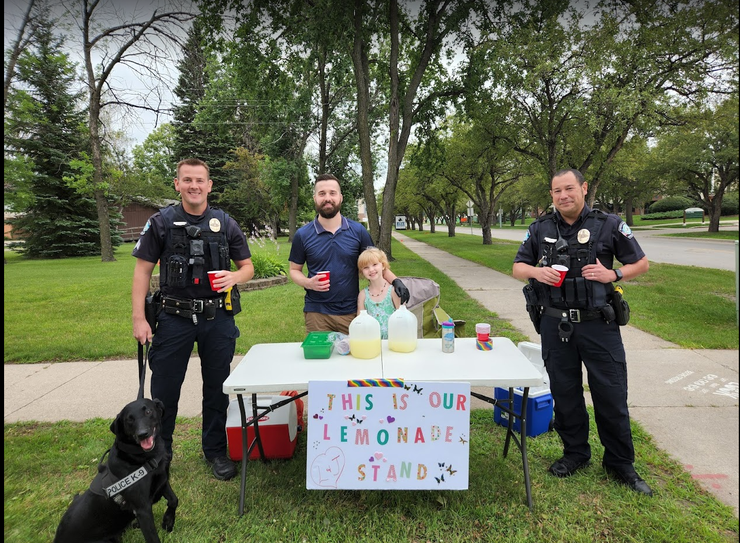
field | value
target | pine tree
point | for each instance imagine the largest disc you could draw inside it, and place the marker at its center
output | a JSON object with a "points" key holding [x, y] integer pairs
{"points": [[45, 125], [196, 138]]}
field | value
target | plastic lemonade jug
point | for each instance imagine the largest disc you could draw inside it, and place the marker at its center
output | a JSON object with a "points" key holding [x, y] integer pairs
{"points": [[402, 330], [364, 336]]}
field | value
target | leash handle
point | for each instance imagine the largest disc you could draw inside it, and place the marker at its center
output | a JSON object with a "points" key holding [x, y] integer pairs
{"points": [[143, 357]]}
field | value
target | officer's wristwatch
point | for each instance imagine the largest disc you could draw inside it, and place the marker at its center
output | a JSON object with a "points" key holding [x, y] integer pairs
{"points": [[619, 275]]}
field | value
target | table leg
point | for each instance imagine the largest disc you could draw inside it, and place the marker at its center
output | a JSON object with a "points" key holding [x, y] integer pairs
{"points": [[510, 426], [525, 461], [243, 487], [520, 442], [247, 450]]}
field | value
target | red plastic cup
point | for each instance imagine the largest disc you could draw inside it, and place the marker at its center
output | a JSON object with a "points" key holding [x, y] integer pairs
{"points": [[211, 278], [562, 270], [323, 275]]}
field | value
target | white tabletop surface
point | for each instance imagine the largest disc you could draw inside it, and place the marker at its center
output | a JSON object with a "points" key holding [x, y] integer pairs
{"points": [[503, 366], [272, 367]]}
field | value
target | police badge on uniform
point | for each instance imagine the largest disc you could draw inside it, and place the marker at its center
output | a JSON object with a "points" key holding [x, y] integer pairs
{"points": [[215, 225], [625, 230], [584, 235]]}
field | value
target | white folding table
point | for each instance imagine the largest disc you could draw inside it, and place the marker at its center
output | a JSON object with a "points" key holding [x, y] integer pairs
{"points": [[272, 367]]}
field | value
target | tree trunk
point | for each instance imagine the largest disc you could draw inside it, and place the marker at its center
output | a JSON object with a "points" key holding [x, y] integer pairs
{"points": [[715, 212], [362, 82], [106, 245], [101, 202], [293, 208]]}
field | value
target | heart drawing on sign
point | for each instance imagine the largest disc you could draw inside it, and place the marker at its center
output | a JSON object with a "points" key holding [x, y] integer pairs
{"points": [[327, 468]]}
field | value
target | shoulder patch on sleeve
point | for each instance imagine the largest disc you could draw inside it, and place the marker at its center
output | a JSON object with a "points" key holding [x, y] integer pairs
{"points": [[526, 237], [625, 230], [146, 227]]}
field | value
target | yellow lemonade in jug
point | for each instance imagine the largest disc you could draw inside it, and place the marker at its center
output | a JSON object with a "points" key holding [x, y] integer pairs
{"points": [[364, 348], [364, 336], [402, 346], [402, 330]]}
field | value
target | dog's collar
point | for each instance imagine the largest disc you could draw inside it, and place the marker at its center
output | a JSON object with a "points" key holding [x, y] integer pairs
{"points": [[104, 483]]}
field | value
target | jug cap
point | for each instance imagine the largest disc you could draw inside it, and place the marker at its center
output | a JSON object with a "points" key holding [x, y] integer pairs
{"points": [[448, 324]]}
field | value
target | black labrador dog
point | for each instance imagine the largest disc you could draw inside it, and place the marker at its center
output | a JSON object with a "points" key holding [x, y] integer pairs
{"points": [[136, 476]]}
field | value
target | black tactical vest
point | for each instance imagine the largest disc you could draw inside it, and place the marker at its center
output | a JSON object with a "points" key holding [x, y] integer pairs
{"points": [[191, 250], [575, 292]]}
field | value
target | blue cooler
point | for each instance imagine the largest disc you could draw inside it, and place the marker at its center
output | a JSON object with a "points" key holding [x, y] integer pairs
{"points": [[539, 410]]}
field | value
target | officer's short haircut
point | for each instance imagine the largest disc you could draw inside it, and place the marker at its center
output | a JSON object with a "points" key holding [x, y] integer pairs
{"points": [[576, 173], [193, 162]]}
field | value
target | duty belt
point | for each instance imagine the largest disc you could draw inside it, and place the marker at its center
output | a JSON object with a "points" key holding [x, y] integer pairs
{"points": [[188, 308], [573, 315]]}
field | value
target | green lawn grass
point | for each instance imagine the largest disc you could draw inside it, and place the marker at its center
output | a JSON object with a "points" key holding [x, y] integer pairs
{"points": [[722, 234], [47, 464]]}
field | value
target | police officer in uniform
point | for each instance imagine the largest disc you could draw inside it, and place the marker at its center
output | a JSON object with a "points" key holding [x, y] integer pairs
{"points": [[188, 240], [578, 323]]}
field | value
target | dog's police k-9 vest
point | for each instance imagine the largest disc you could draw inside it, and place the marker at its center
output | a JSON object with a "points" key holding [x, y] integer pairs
{"points": [[191, 250], [575, 292]]}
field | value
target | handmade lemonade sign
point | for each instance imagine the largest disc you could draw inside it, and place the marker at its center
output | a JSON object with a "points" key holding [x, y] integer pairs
{"points": [[388, 434]]}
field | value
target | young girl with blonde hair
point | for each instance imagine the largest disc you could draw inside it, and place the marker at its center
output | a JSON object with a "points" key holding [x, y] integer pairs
{"points": [[378, 298]]}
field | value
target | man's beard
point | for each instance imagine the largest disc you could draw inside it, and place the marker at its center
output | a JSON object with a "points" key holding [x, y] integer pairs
{"points": [[327, 212]]}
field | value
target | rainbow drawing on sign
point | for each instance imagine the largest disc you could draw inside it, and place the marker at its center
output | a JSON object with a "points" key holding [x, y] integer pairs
{"points": [[375, 383]]}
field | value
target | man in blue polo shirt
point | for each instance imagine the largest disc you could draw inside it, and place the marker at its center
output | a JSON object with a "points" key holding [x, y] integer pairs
{"points": [[332, 243]]}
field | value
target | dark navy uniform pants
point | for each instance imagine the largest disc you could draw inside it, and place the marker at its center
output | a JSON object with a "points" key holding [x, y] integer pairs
{"points": [[169, 355], [599, 347]]}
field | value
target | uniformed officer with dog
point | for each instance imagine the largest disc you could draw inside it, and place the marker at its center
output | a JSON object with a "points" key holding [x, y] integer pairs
{"points": [[188, 240], [579, 323]]}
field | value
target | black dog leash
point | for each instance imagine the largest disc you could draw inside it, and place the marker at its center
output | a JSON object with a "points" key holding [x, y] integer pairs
{"points": [[143, 357]]}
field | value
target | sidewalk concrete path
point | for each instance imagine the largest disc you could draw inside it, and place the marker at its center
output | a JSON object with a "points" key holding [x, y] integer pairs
{"points": [[686, 399]]}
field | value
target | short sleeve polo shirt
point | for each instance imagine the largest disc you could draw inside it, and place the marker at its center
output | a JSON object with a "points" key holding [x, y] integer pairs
{"points": [[320, 250]]}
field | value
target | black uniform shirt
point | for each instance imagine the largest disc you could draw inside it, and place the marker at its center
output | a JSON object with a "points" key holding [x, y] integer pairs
{"points": [[615, 240], [153, 237]]}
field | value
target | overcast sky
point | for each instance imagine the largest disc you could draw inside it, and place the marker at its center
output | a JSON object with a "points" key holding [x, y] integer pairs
{"points": [[136, 124]]}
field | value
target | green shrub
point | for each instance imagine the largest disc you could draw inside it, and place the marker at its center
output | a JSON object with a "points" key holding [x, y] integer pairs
{"points": [[672, 203], [265, 266], [664, 215], [730, 203]]}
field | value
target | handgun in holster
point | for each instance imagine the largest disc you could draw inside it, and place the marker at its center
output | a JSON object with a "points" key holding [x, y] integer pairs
{"points": [[152, 305], [533, 306], [621, 307]]}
